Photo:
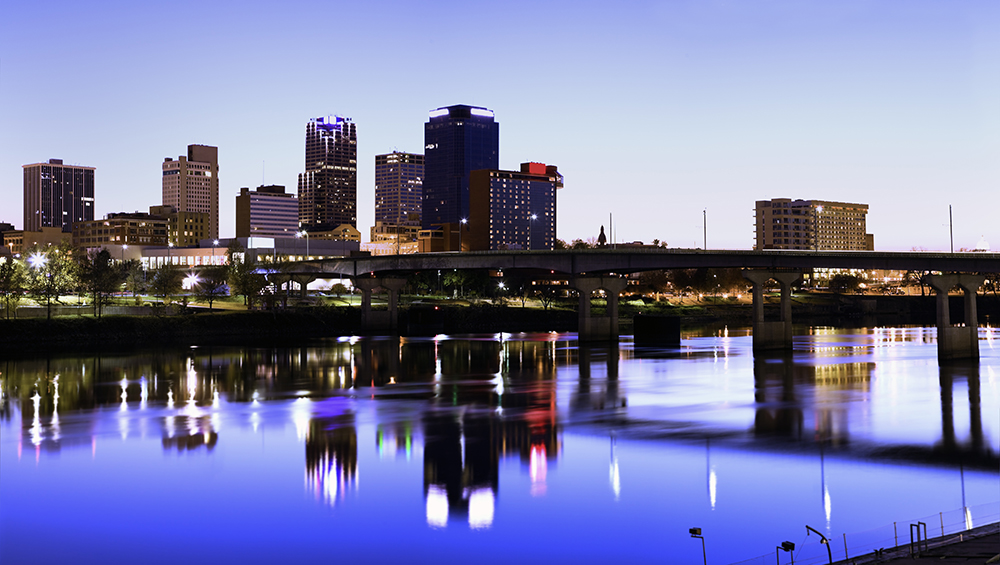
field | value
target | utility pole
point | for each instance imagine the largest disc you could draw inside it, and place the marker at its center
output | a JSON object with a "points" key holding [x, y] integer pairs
{"points": [[951, 229], [704, 229]]}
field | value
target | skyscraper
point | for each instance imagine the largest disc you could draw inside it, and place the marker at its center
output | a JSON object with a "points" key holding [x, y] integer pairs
{"points": [[457, 140], [328, 189], [57, 195], [399, 181], [513, 209], [191, 184]]}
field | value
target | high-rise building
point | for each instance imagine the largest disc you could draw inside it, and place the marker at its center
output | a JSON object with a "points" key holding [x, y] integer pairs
{"points": [[266, 212], [512, 209], [328, 189], [191, 184], [57, 195], [399, 180], [457, 140], [783, 223]]}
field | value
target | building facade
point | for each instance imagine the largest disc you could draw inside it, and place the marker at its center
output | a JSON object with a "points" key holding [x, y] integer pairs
{"points": [[399, 182], [184, 229], [266, 212], [328, 189], [782, 223], [124, 228], [57, 195], [513, 209], [191, 184], [457, 140]]}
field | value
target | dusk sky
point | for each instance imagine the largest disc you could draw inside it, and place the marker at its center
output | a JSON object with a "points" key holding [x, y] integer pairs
{"points": [[653, 111]]}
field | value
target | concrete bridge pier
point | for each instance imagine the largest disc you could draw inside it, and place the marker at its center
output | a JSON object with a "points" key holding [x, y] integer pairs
{"points": [[598, 328], [772, 335], [303, 282], [370, 319], [956, 341]]}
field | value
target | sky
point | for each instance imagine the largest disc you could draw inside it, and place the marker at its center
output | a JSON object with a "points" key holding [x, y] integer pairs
{"points": [[660, 114]]}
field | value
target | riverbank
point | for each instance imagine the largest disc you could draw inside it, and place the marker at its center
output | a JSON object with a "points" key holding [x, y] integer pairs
{"points": [[296, 324]]}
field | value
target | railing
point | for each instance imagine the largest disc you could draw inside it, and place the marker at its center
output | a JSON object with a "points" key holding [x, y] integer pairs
{"points": [[895, 537]]}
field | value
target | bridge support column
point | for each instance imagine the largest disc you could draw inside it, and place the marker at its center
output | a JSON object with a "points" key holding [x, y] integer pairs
{"points": [[772, 335], [370, 319], [598, 328], [961, 341], [303, 281]]}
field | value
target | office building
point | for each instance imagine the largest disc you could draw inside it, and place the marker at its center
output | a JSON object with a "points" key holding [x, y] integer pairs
{"points": [[266, 212], [783, 223], [512, 209], [191, 184], [399, 180], [135, 229], [328, 189], [184, 229], [457, 140], [57, 195], [17, 242]]}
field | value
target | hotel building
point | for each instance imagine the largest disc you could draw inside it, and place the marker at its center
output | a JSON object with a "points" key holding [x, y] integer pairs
{"points": [[191, 184], [783, 223]]}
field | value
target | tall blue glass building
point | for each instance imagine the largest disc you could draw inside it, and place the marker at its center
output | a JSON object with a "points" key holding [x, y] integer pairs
{"points": [[457, 140]]}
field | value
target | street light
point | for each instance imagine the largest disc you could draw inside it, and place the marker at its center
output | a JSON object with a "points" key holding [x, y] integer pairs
{"points": [[170, 245], [304, 234], [785, 546], [124, 247], [461, 228], [816, 213], [37, 260], [215, 243], [531, 223], [823, 540], [696, 533]]}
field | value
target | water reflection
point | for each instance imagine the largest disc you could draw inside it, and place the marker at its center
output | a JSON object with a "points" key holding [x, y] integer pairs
{"points": [[472, 413]]}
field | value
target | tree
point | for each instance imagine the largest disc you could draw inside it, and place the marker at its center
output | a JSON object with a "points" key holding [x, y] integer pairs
{"points": [[100, 278], [560, 244], [243, 274], [12, 284], [165, 282], [135, 277], [339, 289], [579, 244], [212, 284], [456, 279], [52, 273], [844, 283]]}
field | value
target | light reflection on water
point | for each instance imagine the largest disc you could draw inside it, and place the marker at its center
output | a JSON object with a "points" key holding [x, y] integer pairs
{"points": [[525, 446]]}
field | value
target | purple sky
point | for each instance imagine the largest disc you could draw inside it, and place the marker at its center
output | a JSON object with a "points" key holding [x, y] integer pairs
{"points": [[653, 111]]}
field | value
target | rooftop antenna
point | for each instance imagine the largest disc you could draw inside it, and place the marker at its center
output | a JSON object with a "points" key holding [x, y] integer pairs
{"points": [[262, 172]]}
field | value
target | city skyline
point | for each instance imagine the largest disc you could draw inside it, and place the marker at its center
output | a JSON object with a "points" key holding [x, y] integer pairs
{"points": [[660, 114]]}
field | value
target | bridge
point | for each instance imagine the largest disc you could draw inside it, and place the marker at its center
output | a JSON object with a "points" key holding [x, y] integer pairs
{"points": [[590, 270]]}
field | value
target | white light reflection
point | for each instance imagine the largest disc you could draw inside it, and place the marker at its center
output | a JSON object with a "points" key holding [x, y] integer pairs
{"points": [[614, 474], [170, 397], [481, 507], [124, 395], [255, 421], [968, 518], [827, 506], [300, 417], [437, 507], [55, 408], [36, 423], [143, 393], [538, 467], [255, 398]]}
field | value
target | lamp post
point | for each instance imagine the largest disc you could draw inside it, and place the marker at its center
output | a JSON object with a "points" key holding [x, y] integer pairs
{"points": [[124, 247], [696, 533], [816, 212], [170, 245], [304, 234], [461, 228], [785, 546], [215, 243], [531, 223], [823, 540]]}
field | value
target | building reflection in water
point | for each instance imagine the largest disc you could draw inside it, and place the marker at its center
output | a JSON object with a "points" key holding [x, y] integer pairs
{"points": [[332, 457]]}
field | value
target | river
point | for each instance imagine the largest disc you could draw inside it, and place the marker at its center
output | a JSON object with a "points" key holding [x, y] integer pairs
{"points": [[526, 448]]}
